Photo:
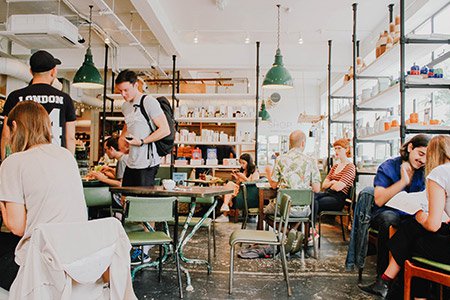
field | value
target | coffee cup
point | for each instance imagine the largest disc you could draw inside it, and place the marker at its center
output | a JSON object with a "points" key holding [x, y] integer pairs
{"points": [[168, 184]]}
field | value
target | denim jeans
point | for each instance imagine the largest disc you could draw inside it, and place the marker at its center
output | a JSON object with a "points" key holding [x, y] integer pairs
{"points": [[359, 238]]}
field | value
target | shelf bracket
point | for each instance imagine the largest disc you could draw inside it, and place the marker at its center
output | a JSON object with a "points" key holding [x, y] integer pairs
{"points": [[427, 41], [373, 141], [341, 97], [341, 122], [426, 86]]}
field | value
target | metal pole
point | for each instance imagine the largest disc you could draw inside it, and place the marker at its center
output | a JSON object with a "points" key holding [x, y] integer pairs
{"points": [[354, 39], [105, 78], [172, 157], [257, 103], [391, 12], [402, 72], [112, 100], [329, 107]]}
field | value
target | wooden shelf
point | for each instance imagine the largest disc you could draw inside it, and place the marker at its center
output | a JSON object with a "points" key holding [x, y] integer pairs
{"points": [[215, 120], [195, 96], [215, 143]]}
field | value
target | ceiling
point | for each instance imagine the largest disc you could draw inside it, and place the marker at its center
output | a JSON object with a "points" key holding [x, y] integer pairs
{"points": [[167, 27]]}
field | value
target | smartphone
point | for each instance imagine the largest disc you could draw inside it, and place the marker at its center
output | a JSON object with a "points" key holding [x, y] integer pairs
{"points": [[129, 138]]}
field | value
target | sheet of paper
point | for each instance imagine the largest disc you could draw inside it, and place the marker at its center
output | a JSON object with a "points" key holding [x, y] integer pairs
{"points": [[412, 203]]}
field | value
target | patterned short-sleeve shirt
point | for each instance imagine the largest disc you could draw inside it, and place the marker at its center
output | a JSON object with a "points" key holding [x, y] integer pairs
{"points": [[296, 170]]}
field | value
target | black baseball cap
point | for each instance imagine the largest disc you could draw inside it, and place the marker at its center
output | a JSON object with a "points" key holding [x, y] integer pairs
{"points": [[42, 61]]}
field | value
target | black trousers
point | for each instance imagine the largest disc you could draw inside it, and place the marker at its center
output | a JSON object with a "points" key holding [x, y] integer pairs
{"points": [[411, 239], [139, 177], [382, 218], [329, 200], [8, 267]]}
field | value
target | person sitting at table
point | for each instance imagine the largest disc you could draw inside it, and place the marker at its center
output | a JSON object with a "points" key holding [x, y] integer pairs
{"points": [[338, 182], [40, 183], [295, 170], [424, 235], [248, 172], [112, 176]]}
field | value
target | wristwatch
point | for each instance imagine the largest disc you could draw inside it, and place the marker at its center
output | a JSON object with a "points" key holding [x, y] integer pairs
{"points": [[142, 142]]}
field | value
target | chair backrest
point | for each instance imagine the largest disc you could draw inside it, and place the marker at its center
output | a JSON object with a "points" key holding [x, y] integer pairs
{"points": [[285, 208], [143, 209], [97, 196], [299, 197]]}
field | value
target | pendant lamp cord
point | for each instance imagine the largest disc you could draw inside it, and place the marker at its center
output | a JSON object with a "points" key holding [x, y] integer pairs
{"points": [[90, 24], [278, 34]]}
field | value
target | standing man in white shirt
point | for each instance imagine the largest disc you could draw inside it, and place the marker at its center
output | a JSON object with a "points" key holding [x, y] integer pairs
{"points": [[143, 160]]}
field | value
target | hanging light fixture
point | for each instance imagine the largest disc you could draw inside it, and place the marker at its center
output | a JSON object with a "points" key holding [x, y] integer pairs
{"points": [[278, 76], [263, 113], [87, 76]]}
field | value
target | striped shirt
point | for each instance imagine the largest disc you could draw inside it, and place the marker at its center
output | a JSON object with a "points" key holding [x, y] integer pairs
{"points": [[346, 176]]}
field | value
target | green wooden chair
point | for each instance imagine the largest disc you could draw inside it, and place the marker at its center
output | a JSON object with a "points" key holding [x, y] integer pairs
{"points": [[426, 269], [346, 211], [299, 197], [98, 197], [142, 209], [264, 238]]}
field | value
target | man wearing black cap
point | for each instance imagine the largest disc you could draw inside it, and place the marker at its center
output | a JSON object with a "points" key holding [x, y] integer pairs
{"points": [[58, 104]]}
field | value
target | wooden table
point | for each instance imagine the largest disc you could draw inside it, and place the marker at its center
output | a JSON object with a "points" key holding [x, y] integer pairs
{"points": [[202, 182], [192, 192], [265, 192]]}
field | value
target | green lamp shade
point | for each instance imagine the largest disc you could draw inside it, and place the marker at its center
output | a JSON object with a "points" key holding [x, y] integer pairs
{"points": [[263, 113], [87, 76], [278, 76]]}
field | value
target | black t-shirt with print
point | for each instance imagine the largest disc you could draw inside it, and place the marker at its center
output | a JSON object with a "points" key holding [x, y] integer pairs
{"points": [[58, 104]]}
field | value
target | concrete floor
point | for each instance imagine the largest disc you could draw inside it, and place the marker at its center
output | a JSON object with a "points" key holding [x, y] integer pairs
{"points": [[322, 278]]}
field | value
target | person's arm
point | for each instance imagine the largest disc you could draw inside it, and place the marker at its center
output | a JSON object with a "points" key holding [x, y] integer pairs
{"points": [[161, 132], [103, 178], [383, 194], [327, 183], [315, 187], [14, 217], [436, 202], [347, 178], [315, 176], [6, 136], [272, 175], [70, 137]]}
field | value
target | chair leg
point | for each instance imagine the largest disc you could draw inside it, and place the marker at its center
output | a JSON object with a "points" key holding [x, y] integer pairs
{"points": [[360, 271], [177, 261], [214, 232], [209, 244], [407, 276], [342, 227], [230, 291], [160, 263], [285, 270], [313, 226], [320, 228], [244, 222]]}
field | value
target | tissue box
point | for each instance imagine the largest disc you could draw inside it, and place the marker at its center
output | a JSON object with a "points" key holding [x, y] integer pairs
{"points": [[196, 162], [212, 162]]}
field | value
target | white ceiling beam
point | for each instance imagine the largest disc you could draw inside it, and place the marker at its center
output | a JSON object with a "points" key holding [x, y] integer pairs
{"points": [[154, 16]]}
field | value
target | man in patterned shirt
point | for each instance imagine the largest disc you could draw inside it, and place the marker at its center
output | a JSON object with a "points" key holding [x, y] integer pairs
{"points": [[295, 170]]}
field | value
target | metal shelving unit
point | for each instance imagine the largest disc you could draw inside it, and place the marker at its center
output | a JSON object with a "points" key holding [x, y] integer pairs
{"points": [[404, 130]]}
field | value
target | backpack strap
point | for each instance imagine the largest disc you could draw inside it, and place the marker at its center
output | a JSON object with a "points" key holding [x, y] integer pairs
{"points": [[147, 118]]}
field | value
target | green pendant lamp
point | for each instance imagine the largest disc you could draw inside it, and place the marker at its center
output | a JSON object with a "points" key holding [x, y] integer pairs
{"points": [[88, 76], [263, 113], [278, 76]]}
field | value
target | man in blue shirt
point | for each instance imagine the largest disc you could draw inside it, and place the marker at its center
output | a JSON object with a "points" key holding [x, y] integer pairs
{"points": [[402, 173]]}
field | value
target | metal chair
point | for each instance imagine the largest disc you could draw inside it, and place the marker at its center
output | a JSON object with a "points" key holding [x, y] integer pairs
{"points": [[141, 209], [346, 211], [299, 197], [440, 273], [98, 197], [264, 238], [249, 189]]}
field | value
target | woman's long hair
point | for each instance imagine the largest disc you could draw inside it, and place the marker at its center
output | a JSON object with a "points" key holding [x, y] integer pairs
{"points": [[438, 152], [32, 128], [250, 164]]}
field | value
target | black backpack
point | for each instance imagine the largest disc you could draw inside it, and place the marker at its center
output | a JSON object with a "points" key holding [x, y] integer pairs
{"points": [[165, 145]]}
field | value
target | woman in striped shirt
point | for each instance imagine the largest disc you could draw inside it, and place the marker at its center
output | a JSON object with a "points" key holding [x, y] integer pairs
{"points": [[338, 182]]}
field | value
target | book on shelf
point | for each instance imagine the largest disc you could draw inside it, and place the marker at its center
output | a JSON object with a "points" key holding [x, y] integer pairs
{"points": [[411, 203]]}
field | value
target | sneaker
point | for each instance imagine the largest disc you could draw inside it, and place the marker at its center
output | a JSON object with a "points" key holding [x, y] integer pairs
{"points": [[291, 237], [297, 244], [224, 207], [222, 219], [136, 258], [310, 239]]}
